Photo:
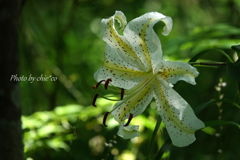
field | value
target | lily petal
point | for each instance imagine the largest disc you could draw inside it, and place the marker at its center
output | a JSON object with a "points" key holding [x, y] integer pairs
{"points": [[135, 101], [128, 132], [176, 113], [121, 77], [175, 71], [144, 41], [118, 49]]}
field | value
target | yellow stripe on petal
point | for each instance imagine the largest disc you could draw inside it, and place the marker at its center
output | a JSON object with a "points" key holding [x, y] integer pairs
{"points": [[120, 17], [121, 78], [135, 105], [175, 71], [144, 41], [115, 60], [177, 115], [118, 42], [135, 101]]}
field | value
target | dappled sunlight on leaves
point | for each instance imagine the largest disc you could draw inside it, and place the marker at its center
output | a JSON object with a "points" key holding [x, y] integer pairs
{"points": [[55, 129]]}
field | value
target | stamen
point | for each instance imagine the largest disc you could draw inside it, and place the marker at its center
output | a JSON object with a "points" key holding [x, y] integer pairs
{"points": [[105, 118], [122, 93], [107, 82], [94, 100], [129, 120], [96, 86]]}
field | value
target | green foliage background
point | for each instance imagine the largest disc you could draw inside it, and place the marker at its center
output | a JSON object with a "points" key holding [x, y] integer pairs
{"points": [[62, 38]]}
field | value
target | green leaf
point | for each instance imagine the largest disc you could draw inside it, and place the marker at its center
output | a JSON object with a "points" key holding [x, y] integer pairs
{"points": [[68, 109], [221, 122], [233, 70], [209, 130], [196, 57], [199, 108], [236, 48], [238, 85]]}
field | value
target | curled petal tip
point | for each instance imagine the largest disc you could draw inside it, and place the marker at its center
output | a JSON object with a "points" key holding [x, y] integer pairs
{"points": [[105, 118], [129, 120], [120, 17], [167, 29]]}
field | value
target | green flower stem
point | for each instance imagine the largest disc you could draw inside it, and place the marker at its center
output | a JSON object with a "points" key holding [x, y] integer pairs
{"points": [[159, 120], [209, 63], [165, 147], [196, 57]]}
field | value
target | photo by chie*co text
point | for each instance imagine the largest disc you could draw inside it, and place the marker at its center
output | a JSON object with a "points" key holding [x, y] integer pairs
{"points": [[31, 78]]}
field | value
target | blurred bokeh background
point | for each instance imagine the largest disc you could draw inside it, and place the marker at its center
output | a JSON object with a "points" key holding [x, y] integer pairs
{"points": [[62, 38]]}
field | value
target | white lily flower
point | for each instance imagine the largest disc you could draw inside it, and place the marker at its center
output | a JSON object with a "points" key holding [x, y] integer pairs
{"points": [[133, 62]]}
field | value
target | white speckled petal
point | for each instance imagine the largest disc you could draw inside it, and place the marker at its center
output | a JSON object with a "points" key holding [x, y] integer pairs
{"points": [[128, 132], [175, 71], [144, 41], [121, 77], [176, 113], [120, 61], [117, 46], [135, 100]]}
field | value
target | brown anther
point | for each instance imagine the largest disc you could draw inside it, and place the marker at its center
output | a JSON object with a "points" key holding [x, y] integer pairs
{"points": [[122, 93], [107, 83], [96, 86], [105, 118], [129, 120], [94, 100]]}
